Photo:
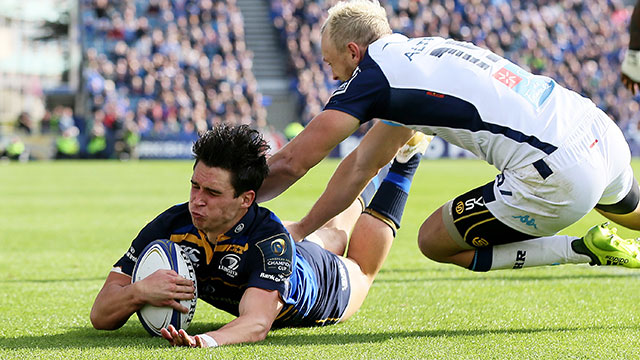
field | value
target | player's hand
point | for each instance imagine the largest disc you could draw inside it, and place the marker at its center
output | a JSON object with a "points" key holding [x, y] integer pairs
{"points": [[165, 288], [630, 74], [181, 338]]}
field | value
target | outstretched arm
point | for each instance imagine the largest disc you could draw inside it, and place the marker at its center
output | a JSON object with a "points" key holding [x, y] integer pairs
{"points": [[119, 298], [313, 144], [258, 309], [377, 148]]}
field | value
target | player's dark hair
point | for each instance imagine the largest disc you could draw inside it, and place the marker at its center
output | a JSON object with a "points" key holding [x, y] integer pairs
{"points": [[237, 149]]}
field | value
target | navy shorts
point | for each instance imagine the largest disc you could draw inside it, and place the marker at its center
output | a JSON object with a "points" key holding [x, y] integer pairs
{"points": [[334, 287]]}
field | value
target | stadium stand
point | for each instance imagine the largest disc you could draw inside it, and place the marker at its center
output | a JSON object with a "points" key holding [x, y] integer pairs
{"points": [[163, 67], [157, 68]]}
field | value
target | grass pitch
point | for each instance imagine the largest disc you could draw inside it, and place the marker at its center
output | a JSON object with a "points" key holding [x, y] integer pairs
{"points": [[63, 224]]}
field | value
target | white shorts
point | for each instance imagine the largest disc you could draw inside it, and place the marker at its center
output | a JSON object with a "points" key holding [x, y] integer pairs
{"points": [[591, 167]]}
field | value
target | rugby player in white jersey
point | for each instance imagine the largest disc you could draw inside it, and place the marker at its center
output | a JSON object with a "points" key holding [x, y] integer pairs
{"points": [[558, 154]]}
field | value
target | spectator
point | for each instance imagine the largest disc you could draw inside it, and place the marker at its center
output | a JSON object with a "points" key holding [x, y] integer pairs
{"points": [[24, 123], [67, 144], [179, 66]]}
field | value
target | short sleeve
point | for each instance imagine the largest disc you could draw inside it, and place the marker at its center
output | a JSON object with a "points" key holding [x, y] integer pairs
{"points": [[365, 95]]}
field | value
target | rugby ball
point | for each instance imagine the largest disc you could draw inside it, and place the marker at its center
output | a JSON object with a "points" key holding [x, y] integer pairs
{"points": [[167, 255]]}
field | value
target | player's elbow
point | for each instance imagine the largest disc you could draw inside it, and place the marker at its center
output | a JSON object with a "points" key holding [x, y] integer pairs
{"points": [[289, 165], [101, 322], [260, 331]]}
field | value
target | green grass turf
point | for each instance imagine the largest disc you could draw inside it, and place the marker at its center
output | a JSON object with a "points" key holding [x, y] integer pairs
{"points": [[63, 224]]}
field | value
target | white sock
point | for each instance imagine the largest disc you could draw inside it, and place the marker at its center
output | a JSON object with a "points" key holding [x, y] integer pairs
{"points": [[550, 250]]}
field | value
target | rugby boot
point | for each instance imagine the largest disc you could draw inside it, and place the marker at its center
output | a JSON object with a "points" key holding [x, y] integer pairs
{"points": [[418, 144], [605, 247]]}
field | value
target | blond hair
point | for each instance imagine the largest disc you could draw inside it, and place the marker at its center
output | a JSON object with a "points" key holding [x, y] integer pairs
{"points": [[360, 21]]}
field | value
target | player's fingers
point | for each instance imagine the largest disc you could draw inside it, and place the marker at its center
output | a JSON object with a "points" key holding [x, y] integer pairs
{"points": [[186, 338], [186, 289], [177, 339], [166, 335], [183, 281], [199, 342], [176, 305]]}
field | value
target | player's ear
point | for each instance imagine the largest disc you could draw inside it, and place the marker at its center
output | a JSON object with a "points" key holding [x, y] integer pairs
{"points": [[247, 198], [354, 51]]}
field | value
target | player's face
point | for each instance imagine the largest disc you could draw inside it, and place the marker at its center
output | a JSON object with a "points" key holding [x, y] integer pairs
{"points": [[339, 60], [214, 208]]}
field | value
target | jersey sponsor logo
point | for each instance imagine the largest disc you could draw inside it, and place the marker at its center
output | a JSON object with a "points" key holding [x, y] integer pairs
{"points": [[464, 55], [525, 219], [277, 255], [234, 248], [507, 77], [345, 85], [278, 246], [193, 254], [279, 264], [521, 256], [533, 88], [459, 207], [200, 240], [229, 264], [239, 228], [271, 277]]}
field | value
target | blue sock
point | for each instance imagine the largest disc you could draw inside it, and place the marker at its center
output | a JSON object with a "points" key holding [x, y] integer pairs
{"points": [[392, 195], [370, 190], [482, 260]]}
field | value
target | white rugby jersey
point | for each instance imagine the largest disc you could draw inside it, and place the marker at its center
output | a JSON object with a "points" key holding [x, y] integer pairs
{"points": [[467, 95]]}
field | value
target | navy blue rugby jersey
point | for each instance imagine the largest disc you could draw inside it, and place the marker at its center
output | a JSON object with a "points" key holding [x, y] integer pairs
{"points": [[467, 95], [256, 252]]}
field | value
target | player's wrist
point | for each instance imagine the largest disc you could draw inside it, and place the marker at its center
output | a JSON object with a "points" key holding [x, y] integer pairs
{"points": [[631, 65], [211, 342]]}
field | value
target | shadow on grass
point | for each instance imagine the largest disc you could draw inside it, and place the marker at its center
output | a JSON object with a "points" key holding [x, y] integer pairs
{"points": [[88, 337], [275, 338], [132, 337], [44, 281], [508, 275]]}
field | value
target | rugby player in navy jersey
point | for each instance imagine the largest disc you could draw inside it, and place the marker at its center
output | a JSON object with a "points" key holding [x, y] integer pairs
{"points": [[559, 155], [245, 261]]}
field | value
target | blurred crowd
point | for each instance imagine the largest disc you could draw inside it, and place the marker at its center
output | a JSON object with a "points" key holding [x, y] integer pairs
{"points": [[164, 67], [578, 43], [167, 67]]}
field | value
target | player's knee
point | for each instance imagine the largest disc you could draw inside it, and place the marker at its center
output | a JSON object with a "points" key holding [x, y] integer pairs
{"points": [[427, 241]]}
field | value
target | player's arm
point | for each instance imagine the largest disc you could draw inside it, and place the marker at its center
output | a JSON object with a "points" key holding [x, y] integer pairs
{"points": [[377, 148], [257, 310], [119, 298], [313, 144], [631, 62]]}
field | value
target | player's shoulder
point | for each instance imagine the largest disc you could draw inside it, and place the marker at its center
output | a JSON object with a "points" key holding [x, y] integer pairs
{"points": [[173, 217], [178, 211]]}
